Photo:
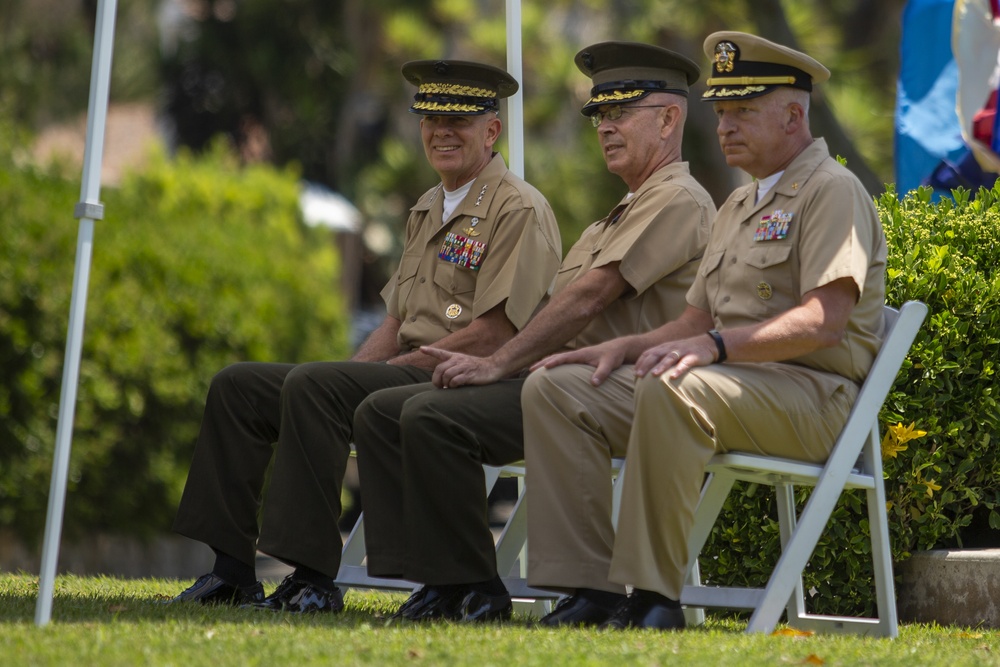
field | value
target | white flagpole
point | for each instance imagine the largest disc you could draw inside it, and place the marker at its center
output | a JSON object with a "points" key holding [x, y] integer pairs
{"points": [[515, 110], [87, 211]]}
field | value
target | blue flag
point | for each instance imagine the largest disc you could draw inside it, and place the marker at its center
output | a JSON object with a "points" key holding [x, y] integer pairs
{"points": [[927, 125]]}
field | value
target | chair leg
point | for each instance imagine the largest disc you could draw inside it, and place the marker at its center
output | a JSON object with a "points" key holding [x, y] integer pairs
{"points": [[878, 525], [787, 573], [694, 616], [512, 545], [713, 497], [785, 496], [354, 546]]}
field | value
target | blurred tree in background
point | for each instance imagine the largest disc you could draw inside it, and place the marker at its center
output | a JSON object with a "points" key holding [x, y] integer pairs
{"points": [[318, 83], [203, 260]]}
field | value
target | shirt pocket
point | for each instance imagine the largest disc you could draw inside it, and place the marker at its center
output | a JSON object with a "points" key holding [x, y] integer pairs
{"points": [[769, 274], [454, 280], [708, 270], [710, 263], [409, 264], [571, 267]]}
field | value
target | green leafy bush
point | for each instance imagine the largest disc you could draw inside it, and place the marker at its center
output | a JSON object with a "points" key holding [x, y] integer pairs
{"points": [[198, 264], [945, 254]]}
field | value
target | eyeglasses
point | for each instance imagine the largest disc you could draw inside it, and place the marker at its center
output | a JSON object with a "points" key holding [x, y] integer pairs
{"points": [[615, 112]]}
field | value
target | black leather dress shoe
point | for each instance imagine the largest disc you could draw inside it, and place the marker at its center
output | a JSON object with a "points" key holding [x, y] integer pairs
{"points": [[288, 587], [415, 600], [576, 610], [431, 603], [644, 611], [482, 607], [299, 597], [211, 589]]}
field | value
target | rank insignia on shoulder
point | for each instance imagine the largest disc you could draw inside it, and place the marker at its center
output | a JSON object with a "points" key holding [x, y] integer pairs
{"points": [[773, 227]]}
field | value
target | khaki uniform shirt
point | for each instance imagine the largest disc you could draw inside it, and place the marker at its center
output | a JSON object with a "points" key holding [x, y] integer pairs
{"points": [[816, 225], [501, 244], [658, 236]]}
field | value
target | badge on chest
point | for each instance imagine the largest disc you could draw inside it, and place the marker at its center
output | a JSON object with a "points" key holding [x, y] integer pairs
{"points": [[773, 227], [463, 251]]}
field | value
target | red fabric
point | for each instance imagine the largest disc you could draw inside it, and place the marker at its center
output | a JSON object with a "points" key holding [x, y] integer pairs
{"points": [[982, 122]]}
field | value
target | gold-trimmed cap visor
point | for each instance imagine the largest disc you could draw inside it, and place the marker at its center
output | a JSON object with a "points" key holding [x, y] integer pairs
{"points": [[627, 71], [745, 66], [457, 87]]}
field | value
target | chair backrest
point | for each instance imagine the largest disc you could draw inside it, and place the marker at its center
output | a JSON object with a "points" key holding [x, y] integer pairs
{"points": [[901, 328], [860, 435]]}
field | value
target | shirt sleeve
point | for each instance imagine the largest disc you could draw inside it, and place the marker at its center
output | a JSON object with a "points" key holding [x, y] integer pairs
{"points": [[520, 264], [663, 230], [838, 242]]}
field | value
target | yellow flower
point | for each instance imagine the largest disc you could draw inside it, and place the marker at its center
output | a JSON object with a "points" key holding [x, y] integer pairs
{"points": [[895, 439], [891, 446], [931, 487], [906, 433]]}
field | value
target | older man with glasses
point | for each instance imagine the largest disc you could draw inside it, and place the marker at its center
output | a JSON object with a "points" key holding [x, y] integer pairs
{"points": [[782, 325], [421, 448]]}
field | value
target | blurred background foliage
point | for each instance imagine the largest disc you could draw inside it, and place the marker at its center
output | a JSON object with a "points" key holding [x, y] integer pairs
{"points": [[316, 82], [203, 258], [199, 263]]}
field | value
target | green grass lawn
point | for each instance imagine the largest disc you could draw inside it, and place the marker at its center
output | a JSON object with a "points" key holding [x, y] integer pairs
{"points": [[106, 621]]}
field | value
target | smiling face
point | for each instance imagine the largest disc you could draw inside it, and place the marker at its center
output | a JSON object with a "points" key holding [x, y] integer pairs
{"points": [[459, 147]]}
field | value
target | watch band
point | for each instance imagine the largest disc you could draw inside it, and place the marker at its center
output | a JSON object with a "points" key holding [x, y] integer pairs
{"points": [[719, 343]]}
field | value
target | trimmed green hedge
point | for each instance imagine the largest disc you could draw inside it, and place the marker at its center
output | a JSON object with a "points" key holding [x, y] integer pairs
{"points": [[945, 254], [198, 264]]}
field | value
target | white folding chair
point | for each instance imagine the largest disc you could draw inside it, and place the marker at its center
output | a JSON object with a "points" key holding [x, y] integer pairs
{"points": [[855, 463], [510, 547]]}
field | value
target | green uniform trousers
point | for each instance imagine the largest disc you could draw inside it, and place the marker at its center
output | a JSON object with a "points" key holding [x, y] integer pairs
{"points": [[302, 415], [420, 457]]}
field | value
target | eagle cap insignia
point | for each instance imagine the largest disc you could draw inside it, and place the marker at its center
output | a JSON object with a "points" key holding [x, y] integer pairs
{"points": [[725, 56]]}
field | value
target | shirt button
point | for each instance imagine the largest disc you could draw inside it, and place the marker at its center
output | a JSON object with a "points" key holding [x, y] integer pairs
{"points": [[732, 261], [413, 318], [423, 280], [725, 299]]}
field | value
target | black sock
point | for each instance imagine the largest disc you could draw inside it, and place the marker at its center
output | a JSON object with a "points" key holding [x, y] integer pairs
{"points": [[233, 570], [604, 599], [651, 596], [317, 579], [492, 586]]}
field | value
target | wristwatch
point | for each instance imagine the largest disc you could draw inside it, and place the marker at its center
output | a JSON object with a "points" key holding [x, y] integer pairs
{"points": [[719, 343]]}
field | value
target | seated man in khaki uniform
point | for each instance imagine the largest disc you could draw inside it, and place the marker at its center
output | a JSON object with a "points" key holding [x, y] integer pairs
{"points": [[423, 448], [782, 325], [480, 251]]}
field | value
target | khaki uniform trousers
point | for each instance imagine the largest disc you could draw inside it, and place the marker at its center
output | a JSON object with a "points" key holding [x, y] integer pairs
{"points": [[768, 408], [420, 456], [308, 410], [572, 431]]}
